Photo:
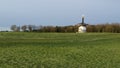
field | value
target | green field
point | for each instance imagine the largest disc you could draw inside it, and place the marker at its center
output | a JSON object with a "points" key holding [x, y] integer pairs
{"points": [[59, 50]]}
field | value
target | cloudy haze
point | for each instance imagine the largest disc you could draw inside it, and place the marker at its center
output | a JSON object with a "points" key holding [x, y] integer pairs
{"points": [[58, 12]]}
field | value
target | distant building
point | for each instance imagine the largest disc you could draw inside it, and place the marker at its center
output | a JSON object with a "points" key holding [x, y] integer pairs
{"points": [[5, 29]]}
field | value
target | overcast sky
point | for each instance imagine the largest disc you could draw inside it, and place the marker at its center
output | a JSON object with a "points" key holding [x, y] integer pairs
{"points": [[58, 12]]}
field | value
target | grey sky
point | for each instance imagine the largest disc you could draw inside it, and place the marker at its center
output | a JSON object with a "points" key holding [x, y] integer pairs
{"points": [[58, 12]]}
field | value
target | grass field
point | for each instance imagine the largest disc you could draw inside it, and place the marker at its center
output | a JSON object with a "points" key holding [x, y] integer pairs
{"points": [[59, 50]]}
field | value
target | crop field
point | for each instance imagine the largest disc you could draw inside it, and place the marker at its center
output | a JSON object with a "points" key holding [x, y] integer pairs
{"points": [[59, 50]]}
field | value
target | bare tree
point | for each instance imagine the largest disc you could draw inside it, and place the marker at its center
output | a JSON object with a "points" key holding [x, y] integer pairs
{"points": [[13, 27], [30, 27], [24, 27], [18, 29]]}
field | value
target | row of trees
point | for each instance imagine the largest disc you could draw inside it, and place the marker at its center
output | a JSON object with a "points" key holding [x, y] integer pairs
{"points": [[114, 28], [24, 28], [33, 28]]}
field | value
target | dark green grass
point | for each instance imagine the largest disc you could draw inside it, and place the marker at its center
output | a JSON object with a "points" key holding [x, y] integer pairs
{"points": [[59, 50]]}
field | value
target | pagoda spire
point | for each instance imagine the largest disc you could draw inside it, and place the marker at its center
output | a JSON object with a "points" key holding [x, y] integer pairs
{"points": [[83, 19]]}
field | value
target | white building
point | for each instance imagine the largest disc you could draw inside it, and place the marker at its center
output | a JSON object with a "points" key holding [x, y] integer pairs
{"points": [[4, 29]]}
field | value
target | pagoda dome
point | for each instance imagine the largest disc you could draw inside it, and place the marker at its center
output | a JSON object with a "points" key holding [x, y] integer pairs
{"points": [[82, 29]]}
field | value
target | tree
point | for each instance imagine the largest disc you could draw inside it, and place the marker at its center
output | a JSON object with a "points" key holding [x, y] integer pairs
{"points": [[13, 27], [30, 27], [18, 29], [24, 27]]}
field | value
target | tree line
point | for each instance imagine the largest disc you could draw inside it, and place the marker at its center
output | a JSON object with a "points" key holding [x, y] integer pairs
{"points": [[114, 28], [34, 28]]}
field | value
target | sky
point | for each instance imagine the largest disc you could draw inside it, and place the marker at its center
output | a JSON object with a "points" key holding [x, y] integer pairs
{"points": [[58, 12]]}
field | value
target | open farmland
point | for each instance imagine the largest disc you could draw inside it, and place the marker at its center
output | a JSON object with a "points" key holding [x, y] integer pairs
{"points": [[59, 50]]}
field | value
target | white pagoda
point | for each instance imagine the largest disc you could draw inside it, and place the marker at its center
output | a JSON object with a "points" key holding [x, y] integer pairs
{"points": [[82, 28]]}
